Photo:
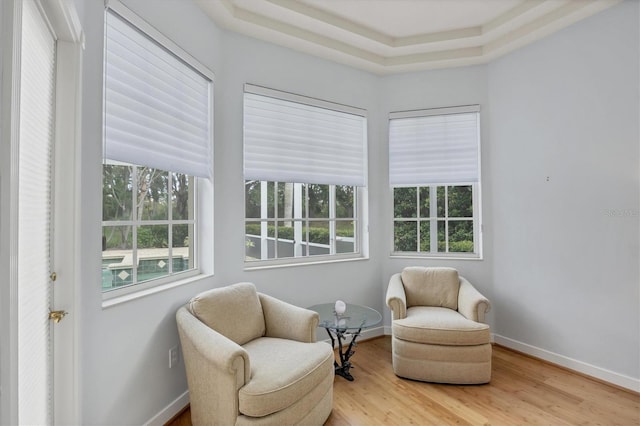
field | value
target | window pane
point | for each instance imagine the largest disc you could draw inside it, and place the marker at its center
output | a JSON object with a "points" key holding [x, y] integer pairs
{"points": [[425, 236], [252, 199], [153, 254], [285, 230], [182, 236], [345, 236], [303, 199], [442, 243], [425, 202], [271, 199], [153, 236], [441, 201], [460, 201], [117, 238], [252, 228], [117, 198], [152, 193], [461, 236], [117, 256], [286, 201], [344, 201], [181, 188], [284, 240], [319, 233], [404, 202], [318, 238], [405, 236], [318, 200], [252, 241]]}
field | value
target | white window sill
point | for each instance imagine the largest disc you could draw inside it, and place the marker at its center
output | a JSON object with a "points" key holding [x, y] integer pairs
{"points": [[441, 256], [108, 303], [287, 263]]}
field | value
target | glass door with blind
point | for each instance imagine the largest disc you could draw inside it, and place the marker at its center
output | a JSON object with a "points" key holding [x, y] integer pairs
{"points": [[44, 73], [35, 192]]}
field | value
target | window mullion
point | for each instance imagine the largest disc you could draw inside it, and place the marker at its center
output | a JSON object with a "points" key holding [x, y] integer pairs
{"points": [[134, 230], [418, 245], [170, 216], [297, 222], [446, 219], [275, 216], [264, 216], [332, 219], [433, 217]]}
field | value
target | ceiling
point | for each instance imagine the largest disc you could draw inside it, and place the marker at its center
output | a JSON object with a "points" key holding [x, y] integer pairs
{"points": [[394, 36]]}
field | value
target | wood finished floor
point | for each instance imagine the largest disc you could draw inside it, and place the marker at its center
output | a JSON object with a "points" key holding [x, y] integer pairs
{"points": [[523, 390]]}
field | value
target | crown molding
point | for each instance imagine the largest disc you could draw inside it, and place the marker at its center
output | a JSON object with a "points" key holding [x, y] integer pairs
{"points": [[303, 27]]}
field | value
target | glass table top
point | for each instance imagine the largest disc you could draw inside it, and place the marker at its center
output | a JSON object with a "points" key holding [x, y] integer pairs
{"points": [[354, 317]]}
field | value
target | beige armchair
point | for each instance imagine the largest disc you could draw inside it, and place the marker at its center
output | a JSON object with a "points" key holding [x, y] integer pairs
{"points": [[252, 359], [438, 330]]}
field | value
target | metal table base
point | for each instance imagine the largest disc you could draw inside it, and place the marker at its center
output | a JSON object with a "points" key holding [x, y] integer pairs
{"points": [[343, 368]]}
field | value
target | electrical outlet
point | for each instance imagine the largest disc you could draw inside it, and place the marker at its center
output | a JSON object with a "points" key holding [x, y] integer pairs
{"points": [[173, 356]]}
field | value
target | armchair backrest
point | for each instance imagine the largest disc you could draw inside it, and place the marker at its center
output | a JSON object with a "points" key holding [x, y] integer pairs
{"points": [[233, 311], [431, 286]]}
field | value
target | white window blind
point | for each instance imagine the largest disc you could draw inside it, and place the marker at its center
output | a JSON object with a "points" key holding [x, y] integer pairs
{"points": [[290, 138], [439, 146], [37, 83], [157, 108]]}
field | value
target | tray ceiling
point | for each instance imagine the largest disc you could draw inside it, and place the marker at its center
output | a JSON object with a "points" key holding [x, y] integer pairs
{"points": [[394, 36]]}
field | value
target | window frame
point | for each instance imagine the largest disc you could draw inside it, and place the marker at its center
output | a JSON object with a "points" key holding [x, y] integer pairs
{"points": [[359, 238], [169, 222], [433, 221], [203, 219], [477, 254]]}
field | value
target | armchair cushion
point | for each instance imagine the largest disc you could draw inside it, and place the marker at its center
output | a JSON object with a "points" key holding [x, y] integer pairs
{"points": [[431, 287], [281, 371], [220, 309], [440, 326]]}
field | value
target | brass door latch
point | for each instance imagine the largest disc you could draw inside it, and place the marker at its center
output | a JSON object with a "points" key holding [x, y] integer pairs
{"points": [[57, 316]]}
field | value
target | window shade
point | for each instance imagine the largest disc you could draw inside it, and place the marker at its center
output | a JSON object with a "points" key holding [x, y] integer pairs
{"points": [[157, 108], [37, 85], [434, 146], [289, 138]]}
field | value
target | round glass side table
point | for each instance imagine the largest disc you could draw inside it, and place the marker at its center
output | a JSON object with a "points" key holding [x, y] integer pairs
{"points": [[354, 319]]}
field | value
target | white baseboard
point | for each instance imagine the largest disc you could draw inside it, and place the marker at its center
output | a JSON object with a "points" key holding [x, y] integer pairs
{"points": [[570, 363], [170, 410]]}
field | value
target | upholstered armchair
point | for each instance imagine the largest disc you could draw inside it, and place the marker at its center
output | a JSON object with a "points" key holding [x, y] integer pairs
{"points": [[252, 359], [438, 330]]}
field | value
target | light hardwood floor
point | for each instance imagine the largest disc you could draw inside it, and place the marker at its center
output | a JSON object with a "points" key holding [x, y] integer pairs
{"points": [[523, 390]]}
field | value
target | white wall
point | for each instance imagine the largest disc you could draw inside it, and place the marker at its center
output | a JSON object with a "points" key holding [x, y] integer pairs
{"points": [[248, 60], [124, 349], [564, 154], [433, 89], [552, 295]]}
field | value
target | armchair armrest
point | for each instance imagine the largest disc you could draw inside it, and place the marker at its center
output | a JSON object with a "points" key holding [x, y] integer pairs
{"points": [[216, 369], [396, 297], [471, 303], [288, 321]]}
